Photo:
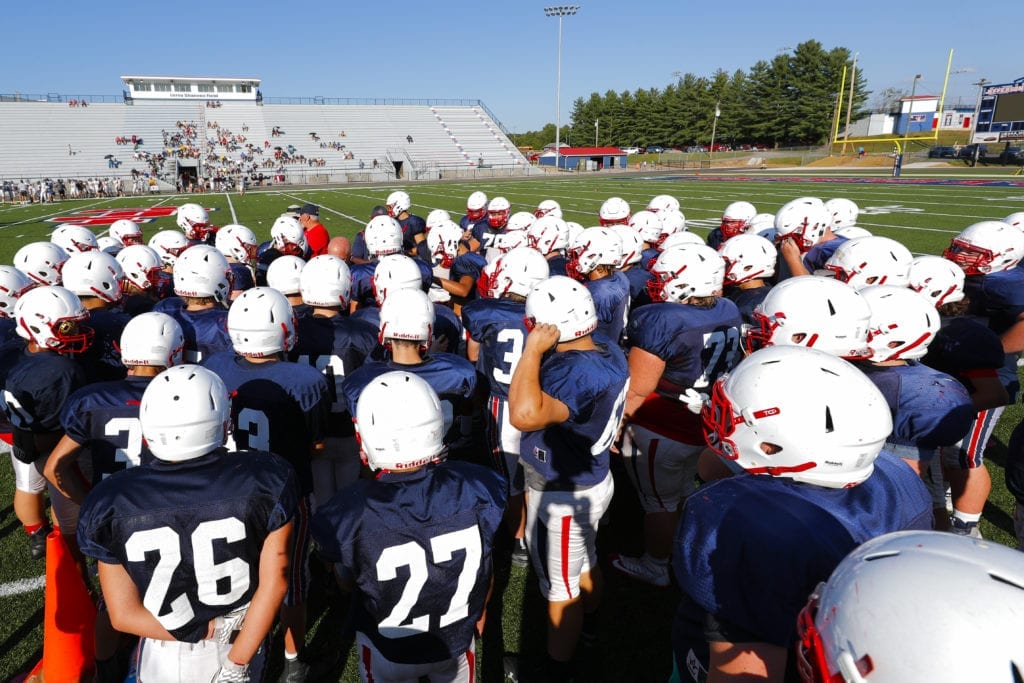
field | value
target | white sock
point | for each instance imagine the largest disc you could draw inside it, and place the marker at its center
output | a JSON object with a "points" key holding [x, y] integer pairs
{"points": [[966, 518], [291, 655]]}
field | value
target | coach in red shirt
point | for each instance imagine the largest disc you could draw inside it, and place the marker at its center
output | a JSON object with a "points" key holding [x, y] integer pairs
{"points": [[316, 234]]}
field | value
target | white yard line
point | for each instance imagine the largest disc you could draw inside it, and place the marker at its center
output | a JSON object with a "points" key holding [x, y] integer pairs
{"points": [[22, 586], [234, 218]]}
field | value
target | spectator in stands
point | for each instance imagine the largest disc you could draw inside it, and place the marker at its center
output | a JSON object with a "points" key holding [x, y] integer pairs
{"points": [[316, 234], [408, 138]]}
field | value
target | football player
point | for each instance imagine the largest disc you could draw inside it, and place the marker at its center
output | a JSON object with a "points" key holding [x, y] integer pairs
{"points": [[96, 278], [594, 259], [497, 329], [169, 245], [799, 224], [284, 275], [414, 228], [201, 288], [41, 262], [74, 239], [282, 407], [678, 346], [568, 405], [749, 266], [144, 281], [335, 344], [475, 219], [456, 268], [222, 537], [549, 235], [52, 321], [287, 238], [735, 221], [631, 263], [748, 548], [383, 235], [855, 625], [415, 540], [238, 244], [498, 211], [873, 260], [194, 221], [614, 210], [406, 332], [126, 232]]}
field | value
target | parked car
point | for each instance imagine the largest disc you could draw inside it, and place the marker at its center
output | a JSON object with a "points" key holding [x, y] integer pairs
{"points": [[1012, 156], [967, 152], [942, 153], [655, 149], [630, 150]]}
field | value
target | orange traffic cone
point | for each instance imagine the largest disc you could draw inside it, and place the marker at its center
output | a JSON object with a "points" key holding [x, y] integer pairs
{"points": [[69, 619]]}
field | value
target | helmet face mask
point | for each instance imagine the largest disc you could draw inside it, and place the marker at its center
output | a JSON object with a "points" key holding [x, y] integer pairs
{"points": [[141, 266], [593, 247], [237, 242], [53, 318], [41, 262], [498, 211], [443, 241], [747, 257], [986, 247], [288, 236], [736, 218], [94, 273], [398, 202], [686, 271], [476, 206], [194, 221], [803, 220]]}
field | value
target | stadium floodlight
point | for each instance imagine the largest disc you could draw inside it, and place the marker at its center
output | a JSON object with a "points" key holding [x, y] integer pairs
{"points": [[559, 11]]}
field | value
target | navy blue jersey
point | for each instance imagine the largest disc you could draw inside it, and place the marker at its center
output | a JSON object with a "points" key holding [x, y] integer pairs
{"points": [[470, 264], [497, 326], [335, 346], [821, 252], [104, 418], [412, 225], [929, 408], [136, 304], [190, 533], [476, 227], [715, 238], [638, 278], [362, 280], [37, 386], [206, 331], [698, 345], [359, 250], [648, 256], [964, 348], [574, 454], [11, 347], [446, 324], [999, 298], [558, 264], [451, 377], [423, 251], [241, 277], [418, 545], [747, 300], [611, 301], [750, 549], [280, 407], [102, 360]]}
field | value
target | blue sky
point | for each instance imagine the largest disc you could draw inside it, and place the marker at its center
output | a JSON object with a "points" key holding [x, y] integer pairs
{"points": [[500, 52]]}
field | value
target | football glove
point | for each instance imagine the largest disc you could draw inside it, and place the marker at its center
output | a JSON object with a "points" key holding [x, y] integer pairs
{"points": [[694, 400], [225, 626], [230, 672]]}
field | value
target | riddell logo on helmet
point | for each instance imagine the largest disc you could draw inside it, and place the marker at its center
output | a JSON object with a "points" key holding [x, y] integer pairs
{"points": [[89, 217]]}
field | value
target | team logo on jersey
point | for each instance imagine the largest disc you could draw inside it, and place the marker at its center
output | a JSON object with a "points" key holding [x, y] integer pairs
{"points": [[107, 216]]}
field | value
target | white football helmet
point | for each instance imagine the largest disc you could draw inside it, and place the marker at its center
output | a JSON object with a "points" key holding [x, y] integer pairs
{"points": [[476, 206], [93, 273], [663, 202], [126, 232], [41, 261], [398, 202], [326, 281], [736, 219], [184, 413], [141, 266], [851, 232], [1016, 219], [903, 323], [686, 271], [613, 210], [74, 239], [237, 242], [548, 207], [844, 212], [443, 242], [53, 318], [395, 272], [261, 323], [400, 422], [986, 247], [564, 303], [548, 235], [815, 312], [872, 261], [829, 436], [169, 245], [288, 236], [593, 247], [938, 279], [678, 239], [383, 236], [436, 217], [511, 240], [632, 244], [109, 245], [13, 283], [747, 257], [284, 274], [520, 220], [762, 222], [517, 272], [574, 231], [804, 220], [202, 271], [648, 224], [897, 607], [153, 339], [194, 221], [672, 222], [407, 314], [498, 211]]}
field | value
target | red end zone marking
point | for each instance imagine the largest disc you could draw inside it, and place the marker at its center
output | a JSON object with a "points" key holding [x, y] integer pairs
{"points": [[108, 216]]}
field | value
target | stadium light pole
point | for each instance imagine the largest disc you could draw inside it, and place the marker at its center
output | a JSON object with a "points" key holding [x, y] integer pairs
{"points": [[597, 126], [981, 83], [714, 126], [910, 116], [559, 11]]}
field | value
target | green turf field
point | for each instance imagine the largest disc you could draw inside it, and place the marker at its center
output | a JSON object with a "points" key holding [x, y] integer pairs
{"points": [[636, 619]]}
